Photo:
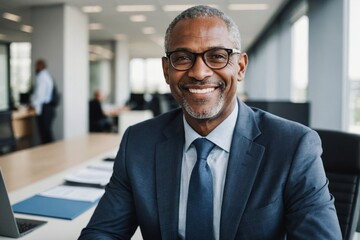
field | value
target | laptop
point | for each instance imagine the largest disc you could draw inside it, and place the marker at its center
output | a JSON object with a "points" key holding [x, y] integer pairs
{"points": [[9, 225]]}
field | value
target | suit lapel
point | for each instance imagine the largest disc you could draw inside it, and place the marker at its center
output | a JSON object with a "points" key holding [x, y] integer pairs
{"points": [[168, 174], [244, 160]]}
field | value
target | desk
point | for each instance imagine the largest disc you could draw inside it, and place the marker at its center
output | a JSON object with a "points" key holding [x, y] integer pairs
{"points": [[24, 126], [34, 170], [37, 163]]}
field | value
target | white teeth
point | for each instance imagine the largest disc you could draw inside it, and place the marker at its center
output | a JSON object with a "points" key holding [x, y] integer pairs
{"points": [[205, 90]]}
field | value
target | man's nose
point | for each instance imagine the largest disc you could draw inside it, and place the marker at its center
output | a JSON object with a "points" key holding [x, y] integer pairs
{"points": [[199, 70]]}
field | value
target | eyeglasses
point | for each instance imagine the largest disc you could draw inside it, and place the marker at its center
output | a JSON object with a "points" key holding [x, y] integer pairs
{"points": [[215, 58]]}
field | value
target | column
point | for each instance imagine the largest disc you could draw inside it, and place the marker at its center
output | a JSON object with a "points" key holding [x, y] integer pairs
{"points": [[327, 63], [122, 85], [60, 37]]}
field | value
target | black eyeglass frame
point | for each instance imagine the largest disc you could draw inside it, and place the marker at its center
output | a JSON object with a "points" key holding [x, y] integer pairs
{"points": [[229, 51]]}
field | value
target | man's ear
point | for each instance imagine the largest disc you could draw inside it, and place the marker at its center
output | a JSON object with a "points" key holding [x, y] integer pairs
{"points": [[243, 62], [165, 66]]}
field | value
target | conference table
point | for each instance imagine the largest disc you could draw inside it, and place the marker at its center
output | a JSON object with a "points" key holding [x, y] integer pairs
{"points": [[31, 171]]}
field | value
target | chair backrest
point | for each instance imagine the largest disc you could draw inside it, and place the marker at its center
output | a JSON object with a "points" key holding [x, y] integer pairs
{"points": [[341, 158], [7, 138]]}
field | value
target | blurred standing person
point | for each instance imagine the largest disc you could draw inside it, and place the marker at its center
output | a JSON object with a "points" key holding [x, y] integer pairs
{"points": [[41, 98]]}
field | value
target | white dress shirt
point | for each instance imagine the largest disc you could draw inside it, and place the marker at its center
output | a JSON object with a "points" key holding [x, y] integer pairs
{"points": [[217, 160], [43, 90]]}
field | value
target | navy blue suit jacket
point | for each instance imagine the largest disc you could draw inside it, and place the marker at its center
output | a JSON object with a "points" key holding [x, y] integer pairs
{"points": [[275, 185]]}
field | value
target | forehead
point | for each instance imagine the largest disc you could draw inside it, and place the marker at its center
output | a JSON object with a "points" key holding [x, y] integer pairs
{"points": [[200, 34]]}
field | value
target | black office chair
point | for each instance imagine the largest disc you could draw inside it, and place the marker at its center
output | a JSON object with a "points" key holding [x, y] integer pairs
{"points": [[7, 138], [341, 158]]}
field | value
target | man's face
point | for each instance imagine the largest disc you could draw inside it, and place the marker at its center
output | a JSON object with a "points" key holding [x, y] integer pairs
{"points": [[204, 93], [39, 66]]}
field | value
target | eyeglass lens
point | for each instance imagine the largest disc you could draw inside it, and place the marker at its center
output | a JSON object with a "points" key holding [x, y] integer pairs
{"points": [[213, 58]]}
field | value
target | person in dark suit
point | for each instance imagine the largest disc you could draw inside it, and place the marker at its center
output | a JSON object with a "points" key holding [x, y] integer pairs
{"points": [[99, 120], [268, 180]]}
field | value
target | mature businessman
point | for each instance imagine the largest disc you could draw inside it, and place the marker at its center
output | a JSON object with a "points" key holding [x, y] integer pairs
{"points": [[266, 175]]}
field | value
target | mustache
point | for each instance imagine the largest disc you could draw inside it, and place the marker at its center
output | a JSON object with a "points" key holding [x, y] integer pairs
{"points": [[194, 81]]}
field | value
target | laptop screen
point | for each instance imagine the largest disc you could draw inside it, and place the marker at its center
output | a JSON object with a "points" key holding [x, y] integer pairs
{"points": [[8, 222]]}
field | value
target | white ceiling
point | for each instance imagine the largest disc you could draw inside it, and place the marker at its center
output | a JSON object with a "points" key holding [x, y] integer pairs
{"points": [[251, 22]]}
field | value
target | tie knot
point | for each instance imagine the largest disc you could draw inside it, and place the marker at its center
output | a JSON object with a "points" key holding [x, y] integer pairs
{"points": [[203, 147]]}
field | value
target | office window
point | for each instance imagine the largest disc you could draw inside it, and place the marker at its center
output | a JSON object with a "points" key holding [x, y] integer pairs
{"points": [[299, 63], [354, 63], [4, 103], [137, 75], [146, 76], [20, 69]]}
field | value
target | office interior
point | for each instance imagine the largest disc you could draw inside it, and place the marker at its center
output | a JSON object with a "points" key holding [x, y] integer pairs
{"points": [[306, 52], [303, 59]]}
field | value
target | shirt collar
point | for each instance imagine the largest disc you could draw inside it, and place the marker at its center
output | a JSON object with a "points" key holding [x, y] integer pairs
{"points": [[221, 135]]}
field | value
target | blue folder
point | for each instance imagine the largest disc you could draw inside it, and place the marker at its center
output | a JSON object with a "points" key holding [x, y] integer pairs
{"points": [[52, 207]]}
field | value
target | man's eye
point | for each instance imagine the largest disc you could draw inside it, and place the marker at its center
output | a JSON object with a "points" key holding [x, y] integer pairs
{"points": [[182, 58], [216, 57]]}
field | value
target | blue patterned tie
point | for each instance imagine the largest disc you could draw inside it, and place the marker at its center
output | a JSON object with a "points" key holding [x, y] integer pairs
{"points": [[199, 214]]}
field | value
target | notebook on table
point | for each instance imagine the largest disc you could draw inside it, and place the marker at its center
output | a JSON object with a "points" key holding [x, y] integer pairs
{"points": [[9, 225]]}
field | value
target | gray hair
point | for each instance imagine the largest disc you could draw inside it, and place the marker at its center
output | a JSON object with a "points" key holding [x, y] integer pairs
{"points": [[205, 12]]}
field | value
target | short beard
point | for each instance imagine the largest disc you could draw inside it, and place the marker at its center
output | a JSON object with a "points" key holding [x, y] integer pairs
{"points": [[205, 114]]}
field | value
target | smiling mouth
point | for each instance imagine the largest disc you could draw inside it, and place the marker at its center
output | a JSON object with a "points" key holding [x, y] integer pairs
{"points": [[203, 90]]}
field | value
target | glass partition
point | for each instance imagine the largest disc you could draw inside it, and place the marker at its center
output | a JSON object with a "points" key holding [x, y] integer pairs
{"points": [[4, 78], [354, 63]]}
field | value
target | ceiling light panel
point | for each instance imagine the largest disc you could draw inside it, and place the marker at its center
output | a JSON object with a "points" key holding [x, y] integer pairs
{"points": [[120, 36], [135, 8], [91, 9], [95, 26], [26, 28], [138, 18], [11, 17]]}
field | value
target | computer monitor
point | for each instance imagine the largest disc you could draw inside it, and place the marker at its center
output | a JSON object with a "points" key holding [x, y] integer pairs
{"points": [[137, 101], [24, 98]]}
